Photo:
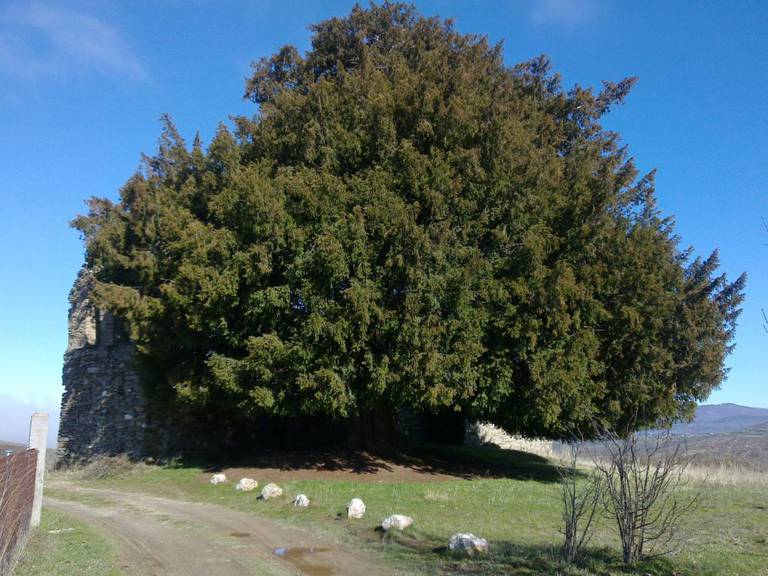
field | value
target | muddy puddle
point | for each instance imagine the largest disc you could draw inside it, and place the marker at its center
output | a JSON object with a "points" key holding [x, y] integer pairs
{"points": [[306, 560]]}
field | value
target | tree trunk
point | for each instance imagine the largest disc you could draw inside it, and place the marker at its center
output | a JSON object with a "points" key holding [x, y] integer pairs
{"points": [[375, 430]]}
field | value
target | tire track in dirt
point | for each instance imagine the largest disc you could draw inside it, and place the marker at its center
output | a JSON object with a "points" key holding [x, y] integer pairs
{"points": [[164, 537]]}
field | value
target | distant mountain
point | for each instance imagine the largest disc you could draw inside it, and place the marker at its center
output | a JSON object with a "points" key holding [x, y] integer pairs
{"points": [[722, 418]]}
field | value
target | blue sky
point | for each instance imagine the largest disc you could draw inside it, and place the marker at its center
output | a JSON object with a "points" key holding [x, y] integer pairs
{"points": [[84, 83]]}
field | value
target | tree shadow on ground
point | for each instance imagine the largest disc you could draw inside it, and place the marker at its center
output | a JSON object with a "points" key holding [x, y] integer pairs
{"points": [[420, 462], [485, 462]]}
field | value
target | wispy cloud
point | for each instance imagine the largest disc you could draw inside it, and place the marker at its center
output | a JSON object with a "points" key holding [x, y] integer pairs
{"points": [[564, 12], [41, 40]]}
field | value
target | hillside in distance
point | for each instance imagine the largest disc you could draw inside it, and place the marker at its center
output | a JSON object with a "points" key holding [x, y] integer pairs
{"points": [[745, 448], [9, 447], [727, 434], [722, 419]]}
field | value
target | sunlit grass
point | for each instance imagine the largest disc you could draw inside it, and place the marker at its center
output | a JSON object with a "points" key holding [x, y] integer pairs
{"points": [[727, 534], [62, 546]]}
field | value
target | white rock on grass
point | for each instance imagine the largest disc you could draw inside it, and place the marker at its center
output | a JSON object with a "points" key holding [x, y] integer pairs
{"points": [[355, 508], [271, 491], [218, 478], [246, 484], [301, 501], [468, 543], [397, 521]]}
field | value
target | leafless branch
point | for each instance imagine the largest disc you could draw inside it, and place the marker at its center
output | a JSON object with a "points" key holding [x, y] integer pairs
{"points": [[580, 499]]}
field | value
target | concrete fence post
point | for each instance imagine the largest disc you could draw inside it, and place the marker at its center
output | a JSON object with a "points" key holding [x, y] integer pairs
{"points": [[38, 439]]}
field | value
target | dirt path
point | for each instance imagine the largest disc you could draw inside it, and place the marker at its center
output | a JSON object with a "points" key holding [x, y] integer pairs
{"points": [[163, 537]]}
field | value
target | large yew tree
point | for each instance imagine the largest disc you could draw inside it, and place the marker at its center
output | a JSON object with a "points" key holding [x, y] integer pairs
{"points": [[406, 221]]}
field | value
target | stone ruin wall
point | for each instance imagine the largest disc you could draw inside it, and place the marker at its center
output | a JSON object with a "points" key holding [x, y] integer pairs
{"points": [[103, 411]]}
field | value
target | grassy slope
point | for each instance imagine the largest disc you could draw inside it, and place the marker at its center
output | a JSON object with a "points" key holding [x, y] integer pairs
{"points": [[80, 551], [728, 534]]}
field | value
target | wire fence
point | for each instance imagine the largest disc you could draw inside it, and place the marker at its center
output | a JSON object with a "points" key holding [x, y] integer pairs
{"points": [[17, 492]]}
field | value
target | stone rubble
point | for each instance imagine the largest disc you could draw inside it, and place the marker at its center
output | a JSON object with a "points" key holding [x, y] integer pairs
{"points": [[468, 543], [301, 501], [355, 508], [397, 521], [246, 484], [271, 491]]}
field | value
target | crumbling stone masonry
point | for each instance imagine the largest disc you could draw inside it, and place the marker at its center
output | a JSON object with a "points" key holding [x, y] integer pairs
{"points": [[103, 411]]}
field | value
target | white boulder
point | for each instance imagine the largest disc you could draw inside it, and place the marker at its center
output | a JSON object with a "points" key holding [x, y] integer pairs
{"points": [[218, 478], [246, 484], [301, 501], [271, 491], [397, 521], [355, 508], [468, 543]]}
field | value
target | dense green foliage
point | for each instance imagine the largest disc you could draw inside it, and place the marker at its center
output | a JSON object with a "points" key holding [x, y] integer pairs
{"points": [[408, 222]]}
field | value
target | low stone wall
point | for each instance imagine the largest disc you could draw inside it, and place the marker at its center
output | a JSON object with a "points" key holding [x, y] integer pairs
{"points": [[480, 434], [17, 493]]}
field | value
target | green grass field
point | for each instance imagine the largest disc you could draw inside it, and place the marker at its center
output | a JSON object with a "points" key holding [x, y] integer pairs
{"points": [[62, 546], [727, 534]]}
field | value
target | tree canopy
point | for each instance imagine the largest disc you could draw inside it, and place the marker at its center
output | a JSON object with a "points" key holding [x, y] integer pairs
{"points": [[406, 221]]}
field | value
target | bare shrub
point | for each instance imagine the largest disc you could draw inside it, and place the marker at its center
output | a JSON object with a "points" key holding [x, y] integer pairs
{"points": [[580, 498], [646, 490]]}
